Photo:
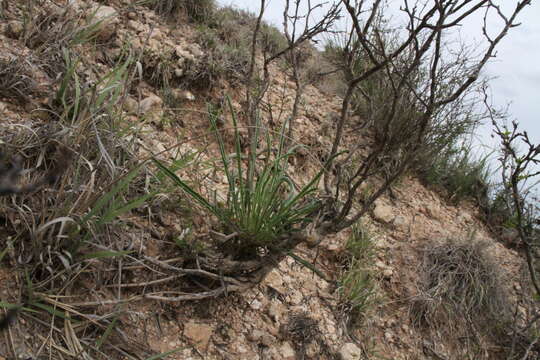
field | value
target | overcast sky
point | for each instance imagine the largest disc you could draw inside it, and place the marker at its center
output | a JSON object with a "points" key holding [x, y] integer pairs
{"points": [[516, 68]]}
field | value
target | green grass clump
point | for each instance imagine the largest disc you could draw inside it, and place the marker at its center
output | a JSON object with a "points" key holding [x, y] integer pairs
{"points": [[262, 204], [357, 284]]}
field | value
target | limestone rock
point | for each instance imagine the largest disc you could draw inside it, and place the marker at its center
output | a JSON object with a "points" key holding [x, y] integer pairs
{"points": [[383, 213], [287, 351], [199, 334], [388, 272], [183, 95], [432, 211], [274, 311], [510, 236], [256, 305], [151, 107], [131, 105], [401, 223], [136, 26], [183, 54], [106, 18], [275, 280], [350, 351], [196, 51], [261, 337]]}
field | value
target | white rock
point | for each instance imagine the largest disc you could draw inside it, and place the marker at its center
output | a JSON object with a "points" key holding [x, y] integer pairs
{"points": [[274, 311], [178, 72], [131, 105], [256, 305], [136, 26], [383, 213], [432, 210], [401, 222], [199, 334], [350, 351], [275, 280], [183, 95], [287, 351], [196, 50], [151, 107], [106, 17]]}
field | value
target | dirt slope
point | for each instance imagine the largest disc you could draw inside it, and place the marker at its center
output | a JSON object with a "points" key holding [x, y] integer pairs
{"points": [[293, 314]]}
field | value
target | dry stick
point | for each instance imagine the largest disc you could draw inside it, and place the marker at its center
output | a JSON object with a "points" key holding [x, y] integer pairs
{"points": [[148, 283], [250, 74], [198, 272]]}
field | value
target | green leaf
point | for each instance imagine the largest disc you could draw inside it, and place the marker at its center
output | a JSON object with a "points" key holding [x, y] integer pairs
{"points": [[308, 265], [4, 252], [9, 306], [51, 310], [191, 192], [120, 186], [114, 212], [107, 332]]}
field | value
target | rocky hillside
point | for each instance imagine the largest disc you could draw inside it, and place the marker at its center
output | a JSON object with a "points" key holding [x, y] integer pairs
{"points": [[92, 255]]}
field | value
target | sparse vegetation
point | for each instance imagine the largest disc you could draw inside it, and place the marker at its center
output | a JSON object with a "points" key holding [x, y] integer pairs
{"points": [[94, 228], [357, 284], [199, 11], [464, 176]]}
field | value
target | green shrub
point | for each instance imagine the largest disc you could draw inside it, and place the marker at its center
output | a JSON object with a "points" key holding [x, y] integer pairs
{"points": [[458, 171], [199, 11], [224, 59], [227, 42]]}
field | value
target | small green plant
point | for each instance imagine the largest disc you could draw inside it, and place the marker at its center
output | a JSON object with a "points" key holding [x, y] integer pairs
{"points": [[458, 171], [262, 204], [198, 11], [357, 284]]}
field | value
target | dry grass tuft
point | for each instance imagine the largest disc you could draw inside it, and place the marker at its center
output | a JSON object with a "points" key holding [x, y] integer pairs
{"points": [[50, 30], [304, 332], [462, 293], [69, 230], [15, 82]]}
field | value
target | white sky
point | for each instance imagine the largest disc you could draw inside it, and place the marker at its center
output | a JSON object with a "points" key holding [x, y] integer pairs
{"points": [[516, 68]]}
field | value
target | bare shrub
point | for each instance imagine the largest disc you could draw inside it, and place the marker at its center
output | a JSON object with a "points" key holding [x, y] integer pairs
{"points": [[415, 94]]}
